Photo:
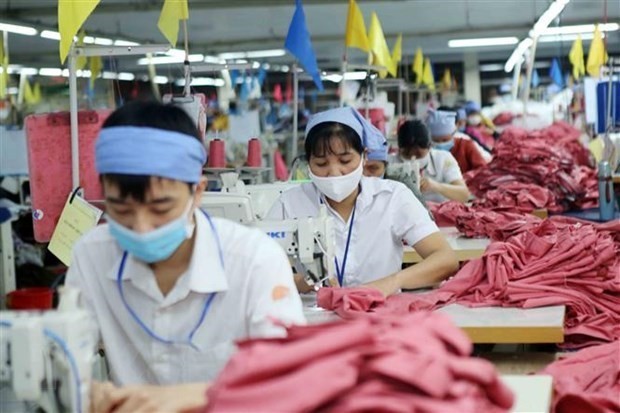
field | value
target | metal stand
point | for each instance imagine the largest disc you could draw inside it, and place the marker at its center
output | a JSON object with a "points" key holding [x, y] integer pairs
{"points": [[7, 261]]}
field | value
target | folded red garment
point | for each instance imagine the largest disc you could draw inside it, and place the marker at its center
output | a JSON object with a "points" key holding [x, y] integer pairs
{"points": [[552, 262], [587, 381], [414, 363]]}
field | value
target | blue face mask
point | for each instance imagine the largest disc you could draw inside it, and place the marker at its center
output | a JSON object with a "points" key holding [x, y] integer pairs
{"points": [[156, 245], [444, 146]]}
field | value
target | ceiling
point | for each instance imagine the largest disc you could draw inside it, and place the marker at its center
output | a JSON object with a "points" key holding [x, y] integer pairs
{"points": [[217, 26]]}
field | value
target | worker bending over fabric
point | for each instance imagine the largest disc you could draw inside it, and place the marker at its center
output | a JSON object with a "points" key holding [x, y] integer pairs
{"points": [[441, 176], [461, 127], [373, 216], [376, 165], [442, 126], [171, 289]]}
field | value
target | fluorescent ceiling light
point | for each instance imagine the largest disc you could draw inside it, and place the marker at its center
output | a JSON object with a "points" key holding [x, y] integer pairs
{"points": [[491, 67], [567, 37], [337, 77], [548, 16], [49, 71], [125, 43], [119, 76], [285, 68], [162, 80], [14, 28], [160, 60], [202, 81], [254, 54], [517, 54], [484, 42], [13, 91], [126, 76], [581, 28], [102, 41], [213, 59], [48, 34], [255, 65]]}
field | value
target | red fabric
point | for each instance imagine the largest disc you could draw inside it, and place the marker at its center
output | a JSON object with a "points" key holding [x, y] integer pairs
{"points": [[416, 363], [467, 155], [503, 118], [587, 381], [519, 197], [553, 262], [481, 134], [552, 158]]}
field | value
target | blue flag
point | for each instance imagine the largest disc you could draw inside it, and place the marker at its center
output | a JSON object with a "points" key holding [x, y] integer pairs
{"points": [[262, 75], [535, 78], [299, 44], [556, 73]]}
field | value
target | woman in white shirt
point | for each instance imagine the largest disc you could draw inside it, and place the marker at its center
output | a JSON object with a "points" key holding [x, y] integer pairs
{"points": [[373, 216], [441, 176]]}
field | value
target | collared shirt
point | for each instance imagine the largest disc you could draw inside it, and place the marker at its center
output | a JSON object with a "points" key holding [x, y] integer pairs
{"points": [[254, 289], [386, 214]]}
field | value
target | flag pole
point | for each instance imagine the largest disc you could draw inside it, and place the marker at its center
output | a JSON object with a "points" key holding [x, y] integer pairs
{"points": [[73, 111], [186, 89], [344, 71], [293, 150]]}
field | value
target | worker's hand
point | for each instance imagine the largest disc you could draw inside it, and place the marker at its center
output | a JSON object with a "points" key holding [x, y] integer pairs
{"points": [[428, 185], [183, 398], [102, 397], [388, 285]]}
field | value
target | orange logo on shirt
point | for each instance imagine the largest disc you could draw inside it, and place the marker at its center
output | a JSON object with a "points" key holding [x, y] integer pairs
{"points": [[279, 292]]}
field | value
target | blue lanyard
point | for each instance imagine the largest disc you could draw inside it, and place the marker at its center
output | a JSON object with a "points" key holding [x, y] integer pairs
{"points": [[205, 309], [340, 271]]}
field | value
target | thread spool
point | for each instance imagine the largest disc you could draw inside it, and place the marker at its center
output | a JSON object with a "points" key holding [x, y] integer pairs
{"points": [[217, 154], [255, 155]]}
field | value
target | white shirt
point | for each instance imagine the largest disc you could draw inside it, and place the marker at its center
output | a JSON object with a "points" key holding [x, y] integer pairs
{"points": [[255, 288], [442, 167], [386, 214]]}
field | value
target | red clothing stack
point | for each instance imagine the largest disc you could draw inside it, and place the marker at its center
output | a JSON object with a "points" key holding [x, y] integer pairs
{"points": [[417, 363]]}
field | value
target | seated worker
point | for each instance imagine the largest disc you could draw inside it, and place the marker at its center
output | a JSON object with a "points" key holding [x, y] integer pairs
{"points": [[478, 127], [442, 126], [376, 165], [170, 288], [373, 216], [461, 126]]}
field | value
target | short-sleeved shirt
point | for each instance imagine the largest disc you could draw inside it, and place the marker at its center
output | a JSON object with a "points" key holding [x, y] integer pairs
{"points": [[443, 168], [386, 214], [251, 290]]}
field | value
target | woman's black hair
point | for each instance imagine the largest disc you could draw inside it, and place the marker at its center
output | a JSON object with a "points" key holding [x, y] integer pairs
{"points": [[318, 141], [414, 134], [153, 115]]}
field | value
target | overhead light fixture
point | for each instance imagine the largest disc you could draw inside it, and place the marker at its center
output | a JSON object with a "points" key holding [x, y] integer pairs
{"points": [[102, 41], [483, 42], [517, 54], [202, 81], [254, 54], [50, 71], [548, 16], [580, 29], [567, 37], [491, 67], [49, 34], [213, 59], [285, 68], [126, 76], [160, 60], [255, 65], [18, 29], [337, 77], [125, 43], [161, 80], [13, 91]]}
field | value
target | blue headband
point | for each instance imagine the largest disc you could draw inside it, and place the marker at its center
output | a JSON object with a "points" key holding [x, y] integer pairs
{"points": [[134, 150], [372, 138]]}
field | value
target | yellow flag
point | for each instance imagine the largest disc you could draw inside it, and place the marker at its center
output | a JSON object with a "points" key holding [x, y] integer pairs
{"points": [[355, 35], [427, 78], [446, 81], [378, 47], [168, 23], [576, 58], [597, 56], [397, 51], [28, 94], [4, 62], [418, 66], [36, 93], [81, 60], [71, 16], [95, 69]]}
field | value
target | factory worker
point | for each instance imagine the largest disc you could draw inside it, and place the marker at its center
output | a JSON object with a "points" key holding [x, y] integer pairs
{"points": [[171, 289], [479, 127], [372, 216], [441, 177], [376, 165], [461, 128], [442, 126]]}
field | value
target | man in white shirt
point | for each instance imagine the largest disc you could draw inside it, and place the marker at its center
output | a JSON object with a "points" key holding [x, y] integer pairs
{"points": [[170, 288]]}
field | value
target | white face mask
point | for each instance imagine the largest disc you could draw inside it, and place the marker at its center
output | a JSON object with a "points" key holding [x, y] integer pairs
{"points": [[337, 188], [474, 120]]}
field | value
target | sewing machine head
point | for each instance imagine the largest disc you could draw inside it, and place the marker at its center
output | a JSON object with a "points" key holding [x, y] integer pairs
{"points": [[46, 359]]}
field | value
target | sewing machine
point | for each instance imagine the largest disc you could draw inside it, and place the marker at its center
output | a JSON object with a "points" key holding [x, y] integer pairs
{"points": [[46, 359], [309, 242]]}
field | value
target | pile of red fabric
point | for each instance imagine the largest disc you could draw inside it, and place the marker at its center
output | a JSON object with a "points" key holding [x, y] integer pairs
{"points": [[418, 363], [518, 197], [477, 221], [587, 381], [556, 262], [552, 158]]}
